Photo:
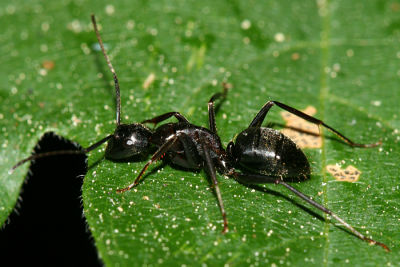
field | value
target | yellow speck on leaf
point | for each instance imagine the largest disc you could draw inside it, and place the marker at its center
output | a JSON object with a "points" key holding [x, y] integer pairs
{"points": [[350, 174], [305, 134], [48, 64], [149, 81]]}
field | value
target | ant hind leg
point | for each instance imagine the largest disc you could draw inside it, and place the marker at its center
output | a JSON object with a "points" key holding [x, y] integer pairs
{"points": [[258, 179], [259, 118]]}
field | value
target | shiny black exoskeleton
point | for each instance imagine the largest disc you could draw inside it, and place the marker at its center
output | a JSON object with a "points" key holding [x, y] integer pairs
{"points": [[127, 141], [182, 143], [188, 152], [258, 154], [264, 155], [183, 139], [268, 152]]}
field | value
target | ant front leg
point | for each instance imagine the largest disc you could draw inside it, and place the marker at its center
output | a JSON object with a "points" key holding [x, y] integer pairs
{"points": [[156, 156], [166, 116], [258, 179], [259, 118]]}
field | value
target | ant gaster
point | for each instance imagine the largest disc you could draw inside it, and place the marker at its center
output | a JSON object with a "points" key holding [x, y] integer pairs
{"points": [[262, 154]]}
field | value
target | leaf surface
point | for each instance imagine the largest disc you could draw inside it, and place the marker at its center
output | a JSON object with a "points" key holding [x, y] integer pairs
{"points": [[341, 57]]}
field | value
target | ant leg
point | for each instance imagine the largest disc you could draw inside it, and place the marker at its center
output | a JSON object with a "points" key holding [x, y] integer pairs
{"points": [[165, 116], [211, 171], [211, 112], [157, 155], [257, 179], [329, 212], [259, 118], [60, 152], [181, 118]]}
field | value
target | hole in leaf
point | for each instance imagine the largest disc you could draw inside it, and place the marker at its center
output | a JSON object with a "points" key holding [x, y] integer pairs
{"points": [[47, 226]]}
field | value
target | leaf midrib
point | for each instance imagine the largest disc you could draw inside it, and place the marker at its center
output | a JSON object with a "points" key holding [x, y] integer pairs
{"points": [[324, 11]]}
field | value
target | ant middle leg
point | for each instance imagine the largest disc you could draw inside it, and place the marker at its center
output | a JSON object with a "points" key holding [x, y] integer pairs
{"points": [[210, 169], [211, 111], [259, 118]]}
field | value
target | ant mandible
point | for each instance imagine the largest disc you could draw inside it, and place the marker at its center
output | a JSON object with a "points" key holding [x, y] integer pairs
{"points": [[262, 154]]}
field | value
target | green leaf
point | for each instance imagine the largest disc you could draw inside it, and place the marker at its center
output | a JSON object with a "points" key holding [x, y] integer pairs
{"points": [[342, 57]]}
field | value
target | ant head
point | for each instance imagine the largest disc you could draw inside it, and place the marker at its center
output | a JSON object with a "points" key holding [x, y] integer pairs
{"points": [[128, 140]]}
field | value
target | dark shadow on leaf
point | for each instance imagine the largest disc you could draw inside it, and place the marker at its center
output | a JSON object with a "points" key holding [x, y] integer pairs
{"points": [[150, 172], [277, 194], [295, 203]]}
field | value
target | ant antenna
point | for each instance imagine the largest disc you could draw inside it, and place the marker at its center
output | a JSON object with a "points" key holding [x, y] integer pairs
{"points": [[117, 91], [97, 144], [61, 152]]}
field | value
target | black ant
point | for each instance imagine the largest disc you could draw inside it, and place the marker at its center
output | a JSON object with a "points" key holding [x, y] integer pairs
{"points": [[264, 155]]}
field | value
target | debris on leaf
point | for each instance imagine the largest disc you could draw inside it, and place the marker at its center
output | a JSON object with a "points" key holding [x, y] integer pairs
{"points": [[350, 174], [48, 64], [305, 134], [149, 81]]}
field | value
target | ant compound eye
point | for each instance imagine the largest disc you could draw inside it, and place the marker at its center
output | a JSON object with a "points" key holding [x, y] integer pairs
{"points": [[132, 140], [129, 142]]}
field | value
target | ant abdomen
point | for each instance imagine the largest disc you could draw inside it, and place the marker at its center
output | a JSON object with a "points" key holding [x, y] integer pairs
{"points": [[269, 152]]}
